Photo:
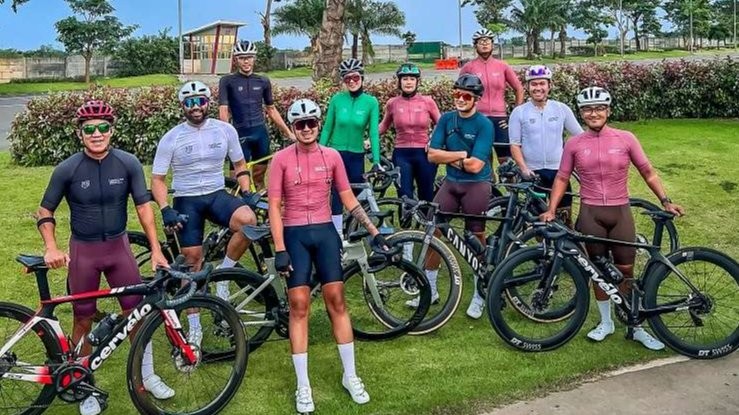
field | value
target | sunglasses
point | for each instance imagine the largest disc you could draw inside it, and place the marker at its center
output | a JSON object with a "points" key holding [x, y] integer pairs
{"points": [[89, 129], [352, 78], [592, 110], [463, 95], [245, 58], [301, 124], [195, 102]]}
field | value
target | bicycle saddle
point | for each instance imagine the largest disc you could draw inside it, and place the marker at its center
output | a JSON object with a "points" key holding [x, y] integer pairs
{"points": [[32, 262], [383, 214], [255, 233]]}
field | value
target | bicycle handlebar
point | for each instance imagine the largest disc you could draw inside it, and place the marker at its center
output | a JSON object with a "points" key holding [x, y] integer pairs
{"points": [[191, 278]]}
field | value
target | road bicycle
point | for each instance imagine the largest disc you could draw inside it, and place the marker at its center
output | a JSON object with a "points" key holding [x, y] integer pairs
{"points": [[38, 361], [690, 297]]}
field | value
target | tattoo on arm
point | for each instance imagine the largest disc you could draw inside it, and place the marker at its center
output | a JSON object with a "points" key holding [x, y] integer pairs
{"points": [[361, 216]]}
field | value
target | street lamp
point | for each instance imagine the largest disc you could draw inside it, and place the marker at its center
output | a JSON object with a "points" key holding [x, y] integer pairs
{"points": [[735, 24], [459, 3], [691, 26], [182, 46]]}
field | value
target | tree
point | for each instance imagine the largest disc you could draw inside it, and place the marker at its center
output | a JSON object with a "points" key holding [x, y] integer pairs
{"points": [[589, 16], [531, 18], [97, 31], [723, 22], [409, 38], [365, 18], [330, 41], [14, 5], [300, 17], [679, 14], [148, 54], [489, 14], [265, 18], [642, 15]]}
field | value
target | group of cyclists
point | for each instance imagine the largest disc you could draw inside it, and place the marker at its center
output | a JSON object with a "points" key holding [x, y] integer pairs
{"points": [[308, 185]]}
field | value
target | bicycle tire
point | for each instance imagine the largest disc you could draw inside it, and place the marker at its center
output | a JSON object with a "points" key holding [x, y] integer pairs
{"points": [[508, 322], [235, 364], [141, 250], [451, 281], [658, 278], [375, 326], [52, 355], [265, 303]]}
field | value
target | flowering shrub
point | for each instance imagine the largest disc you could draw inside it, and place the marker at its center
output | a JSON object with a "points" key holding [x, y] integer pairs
{"points": [[45, 132]]}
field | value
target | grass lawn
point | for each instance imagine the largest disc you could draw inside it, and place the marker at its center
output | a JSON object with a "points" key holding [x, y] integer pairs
{"points": [[129, 82], [462, 369], [629, 57]]}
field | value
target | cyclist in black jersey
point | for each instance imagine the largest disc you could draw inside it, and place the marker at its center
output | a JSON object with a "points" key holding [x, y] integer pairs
{"points": [[97, 183], [243, 94]]}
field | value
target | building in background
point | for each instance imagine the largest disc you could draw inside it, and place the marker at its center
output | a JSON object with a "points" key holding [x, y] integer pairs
{"points": [[207, 49]]}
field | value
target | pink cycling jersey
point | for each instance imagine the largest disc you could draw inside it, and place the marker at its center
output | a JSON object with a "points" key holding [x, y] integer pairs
{"points": [[302, 178], [494, 75], [602, 161], [411, 118]]}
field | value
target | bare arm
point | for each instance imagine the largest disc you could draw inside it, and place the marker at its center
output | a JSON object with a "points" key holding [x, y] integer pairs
{"points": [[159, 190], [352, 205], [438, 156], [146, 218], [223, 113], [275, 116], [558, 191], [244, 179], [519, 95], [275, 223], [655, 184], [53, 257], [472, 165], [518, 157]]}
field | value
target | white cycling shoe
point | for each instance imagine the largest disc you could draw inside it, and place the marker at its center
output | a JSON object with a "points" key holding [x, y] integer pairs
{"points": [[414, 302], [477, 305], [156, 386], [355, 387], [195, 337], [601, 331], [222, 290], [90, 406], [304, 400], [642, 336]]}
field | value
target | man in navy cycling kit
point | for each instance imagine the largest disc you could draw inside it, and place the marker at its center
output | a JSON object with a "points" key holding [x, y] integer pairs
{"points": [[536, 129], [243, 93], [96, 183], [195, 151]]}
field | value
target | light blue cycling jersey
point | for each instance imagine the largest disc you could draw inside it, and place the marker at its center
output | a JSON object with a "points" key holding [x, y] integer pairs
{"points": [[539, 132]]}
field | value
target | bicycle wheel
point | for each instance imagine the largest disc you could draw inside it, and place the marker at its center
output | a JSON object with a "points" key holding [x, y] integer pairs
{"points": [[258, 314], [142, 251], [38, 349], [525, 270], [392, 223], [377, 300], [448, 282], [205, 387], [700, 329], [645, 227]]}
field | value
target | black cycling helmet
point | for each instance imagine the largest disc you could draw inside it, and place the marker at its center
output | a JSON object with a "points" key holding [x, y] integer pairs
{"points": [[471, 83], [351, 65]]}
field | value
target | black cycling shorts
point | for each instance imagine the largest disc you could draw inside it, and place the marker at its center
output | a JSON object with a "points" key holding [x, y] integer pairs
{"points": [[218, 207], [501, 143], [309, 245]]}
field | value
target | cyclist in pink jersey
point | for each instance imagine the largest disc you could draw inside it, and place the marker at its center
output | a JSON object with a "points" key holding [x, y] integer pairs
{"points": [[411, 114], [495, 75], [602, 156], [299, 190]]}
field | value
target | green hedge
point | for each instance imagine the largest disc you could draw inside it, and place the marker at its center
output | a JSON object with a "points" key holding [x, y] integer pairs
{"points": [[44, 133]]}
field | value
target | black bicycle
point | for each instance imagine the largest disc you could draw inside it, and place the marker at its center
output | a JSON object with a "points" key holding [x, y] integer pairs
{"points": [[689, 297]]}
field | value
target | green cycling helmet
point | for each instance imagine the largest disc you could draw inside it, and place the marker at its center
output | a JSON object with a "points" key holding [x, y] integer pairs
{"points": [[408, 69]]}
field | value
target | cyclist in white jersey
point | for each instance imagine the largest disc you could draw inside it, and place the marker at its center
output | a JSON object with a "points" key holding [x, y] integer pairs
{"points": [[536, 131]]}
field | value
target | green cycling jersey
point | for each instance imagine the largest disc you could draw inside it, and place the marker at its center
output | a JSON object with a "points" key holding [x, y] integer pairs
{"points": [[347, 119]]}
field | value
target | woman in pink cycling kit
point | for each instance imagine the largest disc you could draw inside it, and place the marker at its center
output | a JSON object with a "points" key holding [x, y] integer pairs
{"points": [[494, 74], [602, 156], [299, 192], [412, 115]]}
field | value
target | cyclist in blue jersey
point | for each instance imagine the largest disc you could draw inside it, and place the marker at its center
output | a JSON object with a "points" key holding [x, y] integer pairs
{"points": [[246, 96], [97, 183]]}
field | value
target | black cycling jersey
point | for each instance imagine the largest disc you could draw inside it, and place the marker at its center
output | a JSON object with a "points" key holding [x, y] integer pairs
{"points": [[97, 192], [244, 96]]}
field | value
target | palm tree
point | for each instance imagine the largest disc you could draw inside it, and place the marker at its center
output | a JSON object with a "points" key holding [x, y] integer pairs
{"points": [[330, 41], [365, 18], [301, 17], [531, 18], [558, 24]]}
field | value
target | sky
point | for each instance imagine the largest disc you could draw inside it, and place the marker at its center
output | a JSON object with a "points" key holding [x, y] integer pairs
{"points": [[33, 25]]}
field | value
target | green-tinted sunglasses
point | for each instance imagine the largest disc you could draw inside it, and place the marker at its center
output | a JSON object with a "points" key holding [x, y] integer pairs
{"points": [[103, 127]]}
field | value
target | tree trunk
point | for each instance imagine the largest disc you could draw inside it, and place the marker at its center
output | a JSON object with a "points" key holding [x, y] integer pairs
{"points": [[267, 32], [88, 58], [537, 45], [636, 33], [529, 46], [562, 40], [355, 45], [551, 42], [366, 50], [330, 41]]}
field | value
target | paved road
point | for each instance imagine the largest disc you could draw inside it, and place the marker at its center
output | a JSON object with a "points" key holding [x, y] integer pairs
{"points": [[8, 108], [687, 388]]}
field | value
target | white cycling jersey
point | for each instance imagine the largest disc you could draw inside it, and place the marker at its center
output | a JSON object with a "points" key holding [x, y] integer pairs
{"points": [[196, 156], [539, 132]]}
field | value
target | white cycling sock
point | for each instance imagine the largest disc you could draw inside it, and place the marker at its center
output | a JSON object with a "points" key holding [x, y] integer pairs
{"points": [[227, 262], [431, 275], [346, 352], [194, 320], [476, 295], [338, 221], [408, 251], [300, 362], [604, 307], [147, 362]]}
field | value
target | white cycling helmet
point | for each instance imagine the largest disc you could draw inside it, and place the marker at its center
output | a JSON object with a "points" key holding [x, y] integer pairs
{"points": [[351, 65], [593, 95], [538, 72], [244, 47], [482, 33], [193, 89], [303, 109]]}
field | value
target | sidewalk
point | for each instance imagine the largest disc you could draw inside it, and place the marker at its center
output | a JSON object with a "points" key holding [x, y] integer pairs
{"points": [[688, 387]]}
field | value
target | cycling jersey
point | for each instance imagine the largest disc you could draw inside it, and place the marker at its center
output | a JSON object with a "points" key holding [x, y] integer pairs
{"points": [[473, 135], [347, 118], [196, 156], [244, 95], [302, 178], [539, 132], [494, 75], [411, 118], [97, 193], [602, 161]]}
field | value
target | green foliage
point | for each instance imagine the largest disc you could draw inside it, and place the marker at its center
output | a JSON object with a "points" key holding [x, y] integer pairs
{"points": [[10, 53], [14, 5], [148, 54], [44, 133], [264, 56], [300, 17], [46, 51]]}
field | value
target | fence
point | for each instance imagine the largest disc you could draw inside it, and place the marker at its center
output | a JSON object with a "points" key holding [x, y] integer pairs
{"points": [[68, 67]]}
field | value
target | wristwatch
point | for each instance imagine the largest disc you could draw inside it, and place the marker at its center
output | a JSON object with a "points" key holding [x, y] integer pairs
{"points": [[665, 200]]}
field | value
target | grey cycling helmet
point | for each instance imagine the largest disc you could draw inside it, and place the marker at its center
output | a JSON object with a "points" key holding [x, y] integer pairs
{"points": [[303, 109], [349, 66], [470, 83], [244, 47], [482, 33], [193, 89], [593, 95]]}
